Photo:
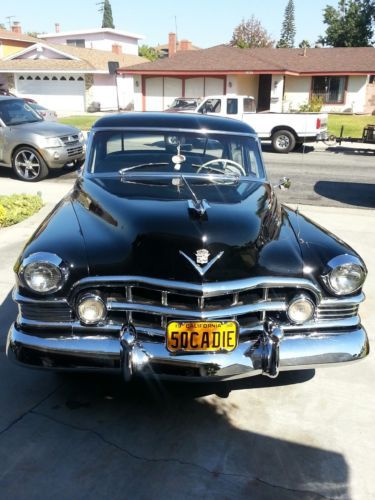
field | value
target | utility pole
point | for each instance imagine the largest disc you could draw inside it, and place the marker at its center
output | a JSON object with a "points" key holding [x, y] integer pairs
{"points": [[9, 20]]}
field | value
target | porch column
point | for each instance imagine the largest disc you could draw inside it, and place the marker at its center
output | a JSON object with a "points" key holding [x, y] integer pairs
{"points": [[277, 92]]}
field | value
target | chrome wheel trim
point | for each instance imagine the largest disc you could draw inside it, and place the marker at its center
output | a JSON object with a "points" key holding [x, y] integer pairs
{"points": [[283, 141], [27, 164]]}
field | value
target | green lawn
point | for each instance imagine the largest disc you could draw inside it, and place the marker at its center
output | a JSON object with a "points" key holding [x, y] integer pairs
{"points": [[353, 124], [83, 122]]}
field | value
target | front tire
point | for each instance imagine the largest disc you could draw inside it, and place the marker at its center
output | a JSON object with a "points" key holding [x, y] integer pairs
{"points": [[28, 165], [283, 141]]}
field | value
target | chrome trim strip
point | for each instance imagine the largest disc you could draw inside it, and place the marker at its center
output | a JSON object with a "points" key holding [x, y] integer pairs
{"points": [[343, 301], [201, 131], [321, 324], [196, 313], [204, 289]]}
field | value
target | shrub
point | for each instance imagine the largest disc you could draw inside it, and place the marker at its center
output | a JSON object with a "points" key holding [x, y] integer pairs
{"points": [[315, 105], [17, 207]]}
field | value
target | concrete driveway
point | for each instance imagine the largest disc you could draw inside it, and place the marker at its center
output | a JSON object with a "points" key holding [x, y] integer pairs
{"points": [[302, 436]]}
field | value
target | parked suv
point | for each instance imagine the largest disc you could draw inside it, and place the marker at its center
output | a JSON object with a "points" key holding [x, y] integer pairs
{"points": [[31, 145]]}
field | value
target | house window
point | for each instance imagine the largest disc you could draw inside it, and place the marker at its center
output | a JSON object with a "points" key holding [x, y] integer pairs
{"points": [[372, 79], [330, 88], [78, 42]]}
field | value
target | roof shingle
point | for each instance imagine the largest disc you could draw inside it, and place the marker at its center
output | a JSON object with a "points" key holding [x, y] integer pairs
{"points": [[224, 58]]}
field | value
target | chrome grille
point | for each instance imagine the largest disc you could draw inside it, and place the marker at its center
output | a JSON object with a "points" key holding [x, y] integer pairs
{"points": [[337, 311], [58, 312], [75, 151]]}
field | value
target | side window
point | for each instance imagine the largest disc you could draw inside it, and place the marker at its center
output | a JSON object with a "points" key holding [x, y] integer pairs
{"points": [[248, 105], [232, 106], [212, 106]]}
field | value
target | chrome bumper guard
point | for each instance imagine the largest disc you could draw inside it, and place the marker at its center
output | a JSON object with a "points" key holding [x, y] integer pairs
{"points": [[269, 353]]}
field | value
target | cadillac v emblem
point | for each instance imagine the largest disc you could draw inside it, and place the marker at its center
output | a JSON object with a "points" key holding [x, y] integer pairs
{"points": [[202, 258]]}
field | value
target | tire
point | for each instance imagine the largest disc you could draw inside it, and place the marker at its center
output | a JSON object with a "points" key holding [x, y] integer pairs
{"points": [[283, 141], [28, 165]]}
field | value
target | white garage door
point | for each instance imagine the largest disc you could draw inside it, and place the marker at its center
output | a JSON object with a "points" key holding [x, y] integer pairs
{"points": [[154, 94], [194, 87], [172, 89], [214, 86], [58, 92]]}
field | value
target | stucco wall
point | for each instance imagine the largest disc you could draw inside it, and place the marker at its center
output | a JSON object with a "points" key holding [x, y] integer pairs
{"points": [[296, 92], [243, 85]]}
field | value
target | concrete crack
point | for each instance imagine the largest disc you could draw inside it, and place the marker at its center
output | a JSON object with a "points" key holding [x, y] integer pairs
{"points": [[174, 460], [30, 410]]}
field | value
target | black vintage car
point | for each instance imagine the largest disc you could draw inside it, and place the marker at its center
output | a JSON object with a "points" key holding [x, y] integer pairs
{"points": [[172, 257]]}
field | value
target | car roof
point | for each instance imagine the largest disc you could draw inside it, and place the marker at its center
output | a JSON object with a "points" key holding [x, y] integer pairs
{"points": [[189, 121]]}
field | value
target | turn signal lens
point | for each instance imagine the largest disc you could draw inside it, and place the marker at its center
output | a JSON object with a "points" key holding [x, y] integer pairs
{"points": [[300, 310], [91, 309]]}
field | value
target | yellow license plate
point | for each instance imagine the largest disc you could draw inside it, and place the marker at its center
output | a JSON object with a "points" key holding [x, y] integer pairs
{"points": [[202, 336]]}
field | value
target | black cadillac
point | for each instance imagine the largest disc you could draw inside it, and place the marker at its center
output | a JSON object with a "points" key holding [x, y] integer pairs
{"points": [[172, 257]]}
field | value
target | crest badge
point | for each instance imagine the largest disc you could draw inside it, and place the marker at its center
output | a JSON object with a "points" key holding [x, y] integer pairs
{"points": [[202, 256]]}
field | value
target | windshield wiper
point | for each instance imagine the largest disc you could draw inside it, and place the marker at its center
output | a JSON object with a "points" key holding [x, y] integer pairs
{"points": [[123, 171]]}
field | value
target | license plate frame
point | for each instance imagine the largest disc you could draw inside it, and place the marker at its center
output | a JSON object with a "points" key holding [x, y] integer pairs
{"points": [[188, 337]]}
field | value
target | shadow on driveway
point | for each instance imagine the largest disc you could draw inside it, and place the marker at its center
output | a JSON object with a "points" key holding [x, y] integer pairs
{"points": [[352, 193]]}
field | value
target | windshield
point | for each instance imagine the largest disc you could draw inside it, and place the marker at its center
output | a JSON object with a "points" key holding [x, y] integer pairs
{"points": [[16, 112], [188, 153], [184, 103]]}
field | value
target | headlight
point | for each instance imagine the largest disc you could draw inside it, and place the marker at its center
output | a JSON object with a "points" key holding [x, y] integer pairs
{"points": [[346, 276], [81, 137], [43, 272], [301, 309], [52, 142], [91, 309]]}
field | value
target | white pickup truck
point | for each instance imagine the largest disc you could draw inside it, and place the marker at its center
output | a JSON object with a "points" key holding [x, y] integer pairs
{"points": [[286, 131]]}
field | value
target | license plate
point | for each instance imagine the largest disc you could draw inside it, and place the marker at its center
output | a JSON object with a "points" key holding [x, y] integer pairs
{"points": [[202, 336]]}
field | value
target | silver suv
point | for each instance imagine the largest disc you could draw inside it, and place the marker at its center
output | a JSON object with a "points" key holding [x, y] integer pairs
{"points": [[31, 146]]}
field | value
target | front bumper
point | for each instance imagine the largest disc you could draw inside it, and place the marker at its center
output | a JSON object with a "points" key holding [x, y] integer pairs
{"points": [[133, 356], [58, 157]]}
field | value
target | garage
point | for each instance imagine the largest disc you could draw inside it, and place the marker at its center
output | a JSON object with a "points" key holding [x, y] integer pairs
{"points": [[160, 91], [60, 92]]}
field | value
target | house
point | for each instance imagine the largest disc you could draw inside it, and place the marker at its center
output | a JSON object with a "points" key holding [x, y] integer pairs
{"points": [[67, 78], [279, 79], [169, 49], [14, 40], [108, 39]]}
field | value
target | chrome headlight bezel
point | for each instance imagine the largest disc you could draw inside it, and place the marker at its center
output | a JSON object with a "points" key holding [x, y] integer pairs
{"points": [[49, 260], [344, 263]]}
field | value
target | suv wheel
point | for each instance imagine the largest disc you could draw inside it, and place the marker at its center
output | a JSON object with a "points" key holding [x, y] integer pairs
{"points": [[28, 165]]}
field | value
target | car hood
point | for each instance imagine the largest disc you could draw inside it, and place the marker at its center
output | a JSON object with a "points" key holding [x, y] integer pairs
{"points": [[47, 128], [141, 228]]}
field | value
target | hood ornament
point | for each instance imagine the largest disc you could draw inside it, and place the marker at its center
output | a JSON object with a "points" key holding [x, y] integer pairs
{"points": [[202, 256]]}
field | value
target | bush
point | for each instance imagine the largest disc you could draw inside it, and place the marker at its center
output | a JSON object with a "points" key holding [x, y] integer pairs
{"points": [[17, 207], [315, 105]]}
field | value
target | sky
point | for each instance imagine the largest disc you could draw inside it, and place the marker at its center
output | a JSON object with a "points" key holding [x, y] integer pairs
{"points": [[204, 22]]}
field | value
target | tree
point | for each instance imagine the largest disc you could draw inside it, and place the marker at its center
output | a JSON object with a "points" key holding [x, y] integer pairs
{"points": [[288, 29], [106, 8], [149, 52], [251, 34], [350, 25], [304, 44]]}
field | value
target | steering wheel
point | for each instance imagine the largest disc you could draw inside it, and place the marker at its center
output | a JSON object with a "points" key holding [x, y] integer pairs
{"points": [[228, 165]]}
